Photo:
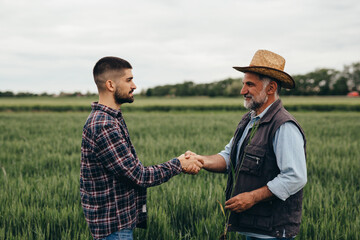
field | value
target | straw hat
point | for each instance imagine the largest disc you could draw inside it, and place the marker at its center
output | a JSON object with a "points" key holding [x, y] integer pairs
{"points": [[269, 64]]}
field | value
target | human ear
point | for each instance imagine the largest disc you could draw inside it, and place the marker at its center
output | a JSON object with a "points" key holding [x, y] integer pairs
{"points": [[272, 87], [110, 85]]}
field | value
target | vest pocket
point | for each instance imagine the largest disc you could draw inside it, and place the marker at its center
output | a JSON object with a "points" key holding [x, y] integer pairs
{"points": [[264, 223], [262, 215], [252, 221], [253, 160]]}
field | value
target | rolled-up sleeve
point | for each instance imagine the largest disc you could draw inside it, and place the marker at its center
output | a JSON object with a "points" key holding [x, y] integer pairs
{"points": [[226, 153], [288, 146]]}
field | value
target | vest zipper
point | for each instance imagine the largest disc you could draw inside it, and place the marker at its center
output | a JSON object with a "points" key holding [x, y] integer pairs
{"points": [[254, 157]]}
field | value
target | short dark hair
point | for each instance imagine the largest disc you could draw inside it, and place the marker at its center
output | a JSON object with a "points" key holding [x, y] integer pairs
{"points": [[106, 65]]}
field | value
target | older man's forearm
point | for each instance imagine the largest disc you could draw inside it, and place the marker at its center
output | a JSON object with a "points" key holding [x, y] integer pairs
{"points": [[214, 163], [262, 194]]}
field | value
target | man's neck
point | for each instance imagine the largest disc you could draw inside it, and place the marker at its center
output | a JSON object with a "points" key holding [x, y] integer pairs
{"points": [[271, 100], [108, 101]]}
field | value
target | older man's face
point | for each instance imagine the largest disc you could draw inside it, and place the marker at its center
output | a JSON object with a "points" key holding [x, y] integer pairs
{"points": [[254, 92]]}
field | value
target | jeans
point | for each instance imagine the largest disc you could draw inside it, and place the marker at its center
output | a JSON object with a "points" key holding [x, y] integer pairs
{"points": [[254, 238], [125, 234]]}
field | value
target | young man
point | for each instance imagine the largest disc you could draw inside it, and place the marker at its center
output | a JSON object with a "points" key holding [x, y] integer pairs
{"points": [[113, 181], [267, 155]]}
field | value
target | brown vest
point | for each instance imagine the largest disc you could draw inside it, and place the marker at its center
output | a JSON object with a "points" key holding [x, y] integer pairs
{"points": [[258, 168]]}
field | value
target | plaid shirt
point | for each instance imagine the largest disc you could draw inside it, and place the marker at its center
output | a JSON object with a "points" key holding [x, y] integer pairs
{"points": [[113, 181]]}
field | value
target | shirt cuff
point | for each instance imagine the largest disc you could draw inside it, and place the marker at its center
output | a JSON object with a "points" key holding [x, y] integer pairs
{"points": [[176, 165], [278, 189]]}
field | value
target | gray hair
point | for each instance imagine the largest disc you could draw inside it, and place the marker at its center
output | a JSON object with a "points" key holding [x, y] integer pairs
{"points": [[266, 80]]}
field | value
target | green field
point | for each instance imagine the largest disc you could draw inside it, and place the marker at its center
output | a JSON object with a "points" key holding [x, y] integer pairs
{"points": [[40, 161], [144, 101], [329, 103]]}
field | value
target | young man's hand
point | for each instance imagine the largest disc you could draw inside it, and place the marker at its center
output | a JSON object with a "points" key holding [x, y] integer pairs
{"points": [[191, 164]]}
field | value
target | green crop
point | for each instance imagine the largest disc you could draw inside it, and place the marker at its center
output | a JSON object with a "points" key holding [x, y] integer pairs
{"points": [[40, 165], [167, 104]]}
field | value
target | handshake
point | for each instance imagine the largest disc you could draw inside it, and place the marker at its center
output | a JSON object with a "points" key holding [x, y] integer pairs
{"points": [[191, 163]]}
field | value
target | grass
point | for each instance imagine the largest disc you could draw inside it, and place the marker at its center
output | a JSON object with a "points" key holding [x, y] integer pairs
{"points": [[40, 161], [150, 101], [329, 103]]}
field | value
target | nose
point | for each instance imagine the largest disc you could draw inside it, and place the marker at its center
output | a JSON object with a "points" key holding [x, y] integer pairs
{"points": [[244, 90], [133, 86]]}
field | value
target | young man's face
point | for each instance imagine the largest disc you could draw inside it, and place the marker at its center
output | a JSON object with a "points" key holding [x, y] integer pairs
{"points": [[254, 92], [125, 87]]}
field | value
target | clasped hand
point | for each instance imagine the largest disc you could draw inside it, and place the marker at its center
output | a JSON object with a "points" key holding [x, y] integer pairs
{"points": [[191, 163]]}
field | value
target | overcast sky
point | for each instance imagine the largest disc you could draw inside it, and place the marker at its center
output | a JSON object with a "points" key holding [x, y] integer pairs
{"points": [[52, 45]]}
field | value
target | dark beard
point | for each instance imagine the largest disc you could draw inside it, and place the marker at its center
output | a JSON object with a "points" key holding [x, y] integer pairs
{"points": [[120, 98]]}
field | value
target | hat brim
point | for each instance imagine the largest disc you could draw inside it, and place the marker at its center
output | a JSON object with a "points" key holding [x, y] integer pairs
{"points": [[286, 80]]}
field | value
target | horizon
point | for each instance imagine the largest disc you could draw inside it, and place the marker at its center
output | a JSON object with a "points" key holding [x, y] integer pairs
{"points": [[53, 46], [138, 92]]}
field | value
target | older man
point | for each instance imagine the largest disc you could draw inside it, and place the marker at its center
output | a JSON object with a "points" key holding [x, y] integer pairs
{"points": [[266, 155], [113, 181]]}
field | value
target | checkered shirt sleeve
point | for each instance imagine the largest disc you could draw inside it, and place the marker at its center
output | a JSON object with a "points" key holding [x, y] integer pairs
{"points": [[116, 153]]}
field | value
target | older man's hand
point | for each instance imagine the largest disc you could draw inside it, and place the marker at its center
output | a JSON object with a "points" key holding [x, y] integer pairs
{"points": [[246, 200], [240, 202]]}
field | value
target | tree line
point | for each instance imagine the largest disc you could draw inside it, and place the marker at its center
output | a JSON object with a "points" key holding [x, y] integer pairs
{"points": [[319, 82]]}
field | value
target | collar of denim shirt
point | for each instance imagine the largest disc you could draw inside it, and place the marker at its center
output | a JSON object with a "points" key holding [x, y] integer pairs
{"points": [[256, 118]]}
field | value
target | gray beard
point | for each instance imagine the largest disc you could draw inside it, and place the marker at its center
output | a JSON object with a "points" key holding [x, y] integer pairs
{"points": [[253, 104]]}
